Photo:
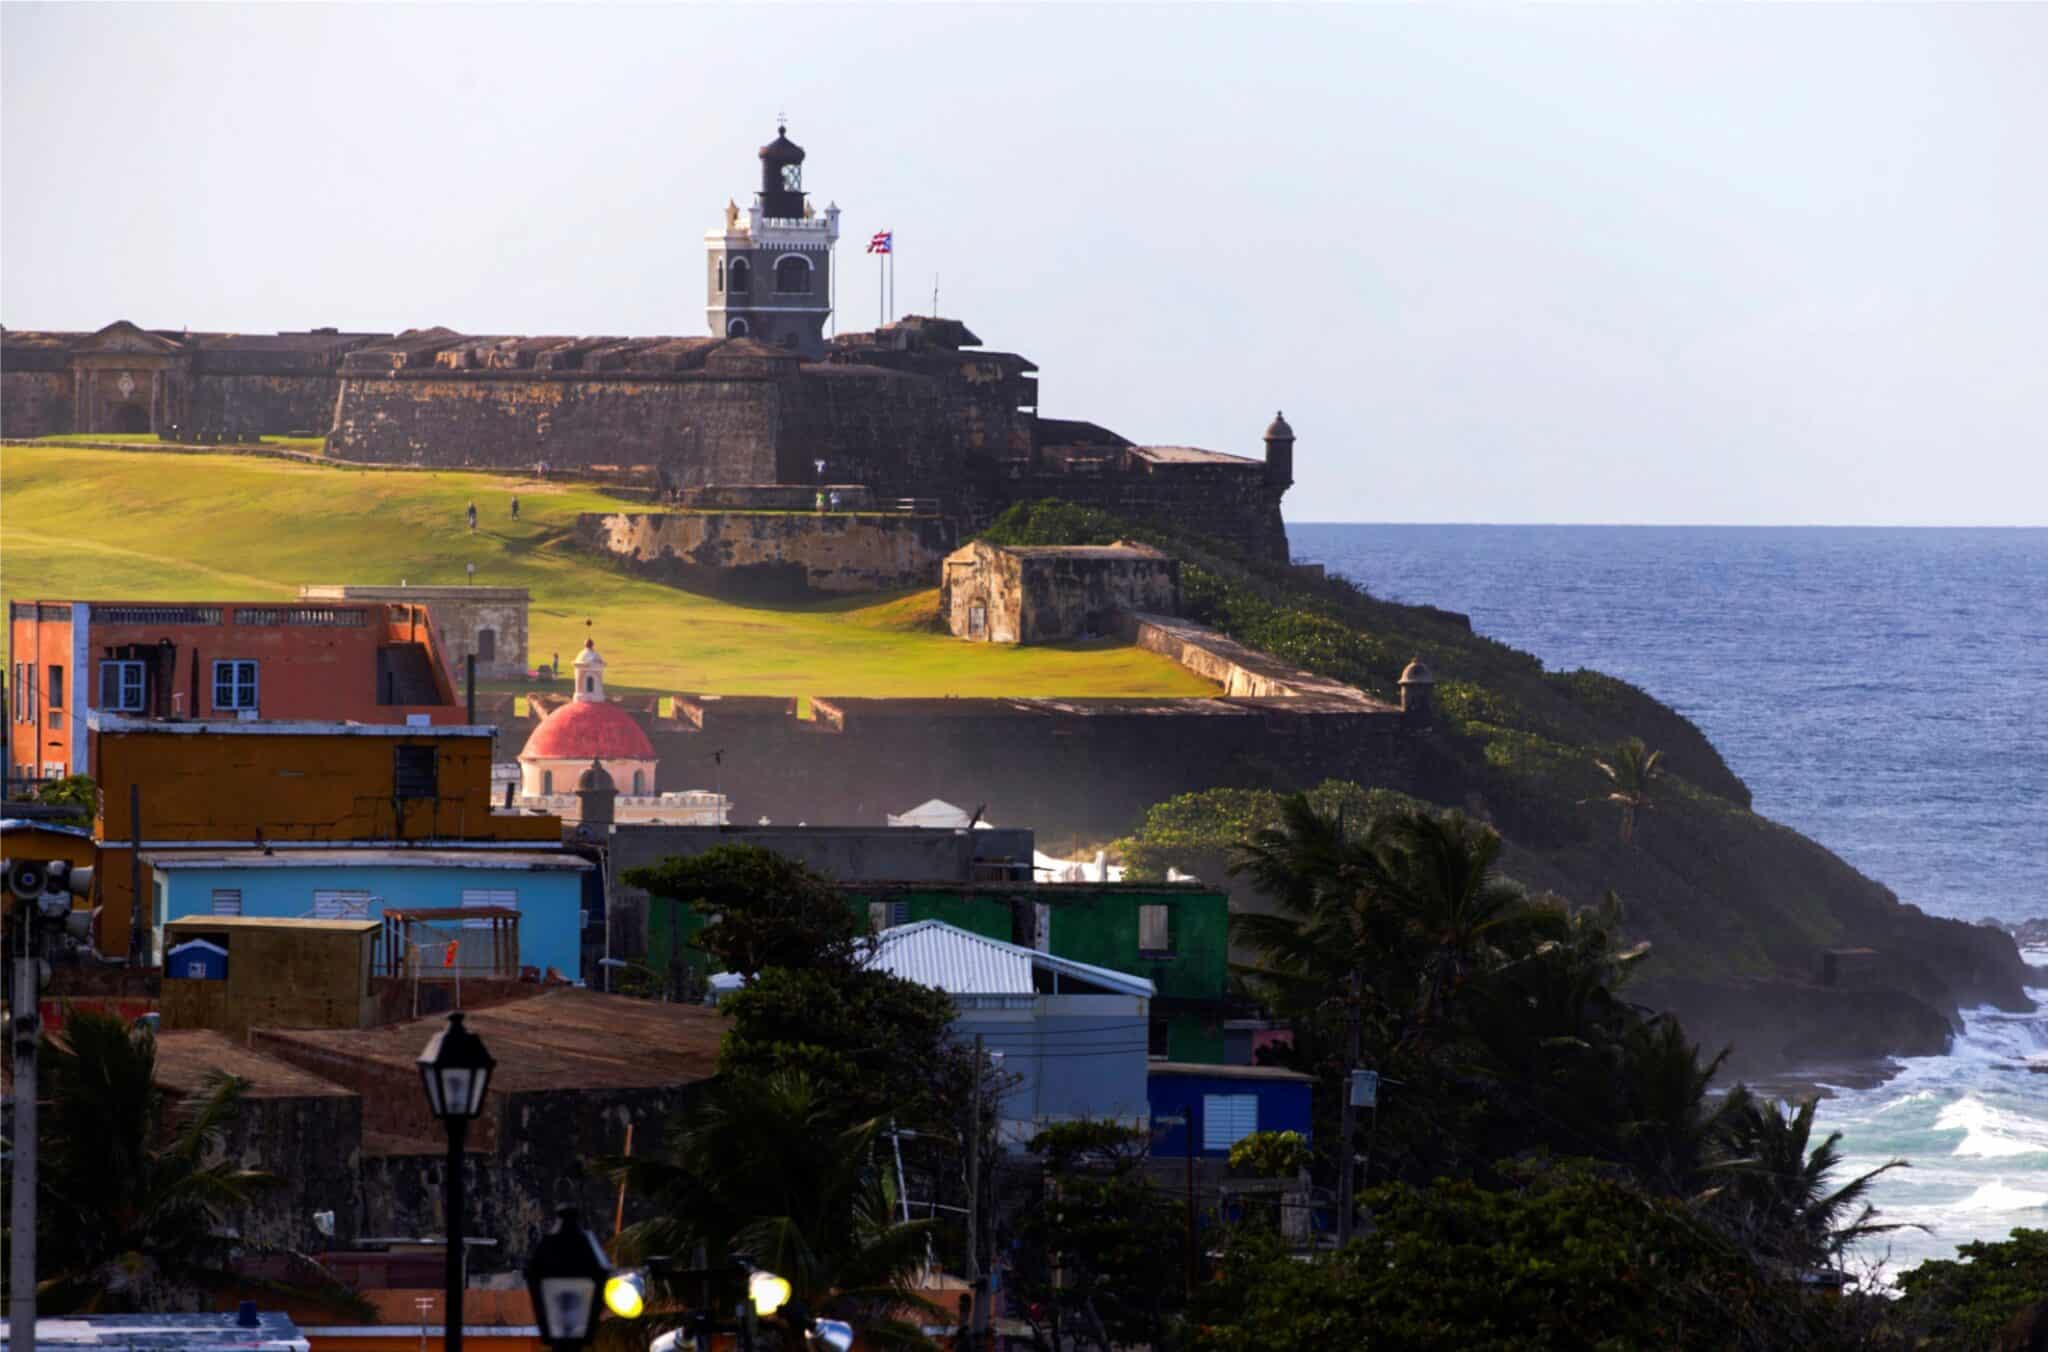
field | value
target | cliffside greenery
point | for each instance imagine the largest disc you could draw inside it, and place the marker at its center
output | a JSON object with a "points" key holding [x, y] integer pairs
{"points": [[1595, 787]]}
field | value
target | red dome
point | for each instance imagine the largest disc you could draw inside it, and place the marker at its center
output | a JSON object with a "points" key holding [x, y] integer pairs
{"points": [[586, 730]]}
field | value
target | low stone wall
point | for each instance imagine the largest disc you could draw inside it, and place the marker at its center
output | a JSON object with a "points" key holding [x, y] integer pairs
{"points": [[1238, 669], [773, 555]]}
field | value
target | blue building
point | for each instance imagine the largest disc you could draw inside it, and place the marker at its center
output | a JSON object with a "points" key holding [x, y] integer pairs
{"points": [[1226, 1104], [288, 882], [1069, 1038]]}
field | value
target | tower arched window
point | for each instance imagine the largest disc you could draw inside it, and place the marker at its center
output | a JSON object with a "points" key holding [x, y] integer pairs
{"points": [[736, 328], [739, 277], [547, 782], [792, 275], [639, 783]]}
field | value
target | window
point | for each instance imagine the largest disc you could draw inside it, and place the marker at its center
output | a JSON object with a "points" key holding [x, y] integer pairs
{"points": [[738, 278], [486, 645], [227, 901], [1157, 1041], [793, 275], [736, 329], [413, 772], [341, 905], [17, 695], [977, 620], [121, 685], [639, 783], [884, 914], [480, 896], [718, 276], [234, 685], [56, 686], [1155, 929], [547, 782], [1228, 1119]]}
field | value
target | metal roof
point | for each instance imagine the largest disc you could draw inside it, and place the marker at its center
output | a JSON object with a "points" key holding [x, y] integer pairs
{"points": [[29, 824], [960, 962], [190, 1332], [525, 861]]}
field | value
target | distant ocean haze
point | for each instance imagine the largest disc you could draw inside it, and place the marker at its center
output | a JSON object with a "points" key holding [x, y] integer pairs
{"points": [[1880, 690]]}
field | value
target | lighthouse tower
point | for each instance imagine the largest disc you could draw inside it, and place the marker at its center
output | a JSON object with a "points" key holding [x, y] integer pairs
{"points": [[768, 269]]}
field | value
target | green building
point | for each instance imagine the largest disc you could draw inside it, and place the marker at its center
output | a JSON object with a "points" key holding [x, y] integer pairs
{"points": [[1176, 935]]}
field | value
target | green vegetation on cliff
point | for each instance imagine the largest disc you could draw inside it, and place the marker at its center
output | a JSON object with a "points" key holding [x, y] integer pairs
{"points": [[1739, 909]]}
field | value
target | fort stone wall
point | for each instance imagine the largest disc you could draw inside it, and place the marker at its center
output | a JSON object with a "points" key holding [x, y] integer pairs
{"points": [[773, 554]]}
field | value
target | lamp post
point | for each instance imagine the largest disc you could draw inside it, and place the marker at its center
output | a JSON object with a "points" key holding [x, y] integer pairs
{"points": [[456, 1070], [563, 1277]]}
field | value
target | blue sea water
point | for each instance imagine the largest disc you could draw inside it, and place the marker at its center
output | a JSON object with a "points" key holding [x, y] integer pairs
{"points": [[1880, 690]]}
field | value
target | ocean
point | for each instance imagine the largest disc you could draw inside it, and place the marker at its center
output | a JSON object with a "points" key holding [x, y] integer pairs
{"points": [[1880, 690]]}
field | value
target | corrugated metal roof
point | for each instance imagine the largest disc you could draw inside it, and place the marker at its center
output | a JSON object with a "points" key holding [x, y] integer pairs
{"points": [[39, 824], [960, 962]]}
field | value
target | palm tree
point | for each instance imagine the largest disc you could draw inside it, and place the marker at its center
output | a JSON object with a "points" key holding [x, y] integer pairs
{"points": [[1631, 769], [134, 1192], [1775, 1191], [766, 1167], [1438, 873]]}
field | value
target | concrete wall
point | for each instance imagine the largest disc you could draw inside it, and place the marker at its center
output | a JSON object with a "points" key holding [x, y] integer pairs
{"points": [[773, 554], [459, 615], [1072, 1056], [297, 404], [35, 403], [1086, 767]]}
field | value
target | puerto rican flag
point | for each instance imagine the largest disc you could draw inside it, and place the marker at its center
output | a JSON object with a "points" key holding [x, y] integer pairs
{"points": [[884, 241]]}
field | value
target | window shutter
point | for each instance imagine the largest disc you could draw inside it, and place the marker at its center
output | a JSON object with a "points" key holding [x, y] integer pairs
{"points": [[1228, 1119], [227, 901], [341, 905], [1155, 929]]}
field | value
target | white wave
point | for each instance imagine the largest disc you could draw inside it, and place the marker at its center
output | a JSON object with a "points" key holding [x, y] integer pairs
{"points": [[1989, 1133], [1924, 1096], [1997, 1196]]}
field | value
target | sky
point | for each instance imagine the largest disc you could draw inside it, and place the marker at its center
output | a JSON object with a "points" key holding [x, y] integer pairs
{"points": [[1760, 264]]}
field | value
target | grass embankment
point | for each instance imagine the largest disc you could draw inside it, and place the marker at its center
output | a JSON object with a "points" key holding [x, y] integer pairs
{"points": [[81, 524]]}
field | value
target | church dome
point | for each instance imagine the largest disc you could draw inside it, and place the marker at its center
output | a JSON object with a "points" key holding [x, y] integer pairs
{"points": [[587, 730], [782, 150]]}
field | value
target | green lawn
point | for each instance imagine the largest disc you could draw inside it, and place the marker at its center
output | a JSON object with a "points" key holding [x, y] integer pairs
{"points": [[81, 524]]}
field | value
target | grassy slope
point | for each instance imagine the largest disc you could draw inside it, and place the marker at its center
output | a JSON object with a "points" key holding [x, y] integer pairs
{"points": [[78, 524]]}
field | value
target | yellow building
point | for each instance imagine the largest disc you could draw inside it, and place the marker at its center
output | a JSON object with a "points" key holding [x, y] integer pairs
{"points": [[173, 787]]}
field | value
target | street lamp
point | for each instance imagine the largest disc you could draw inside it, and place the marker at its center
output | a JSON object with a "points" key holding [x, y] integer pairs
{"points": [[456, 1069], [563, 1278], [768, 1292]]}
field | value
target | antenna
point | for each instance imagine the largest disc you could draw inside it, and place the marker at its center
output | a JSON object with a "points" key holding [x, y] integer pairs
{"points": [[935, 295]]}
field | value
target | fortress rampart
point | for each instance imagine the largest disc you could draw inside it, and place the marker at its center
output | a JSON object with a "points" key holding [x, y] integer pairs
{"points": [[1068, 767], [916, 409]]}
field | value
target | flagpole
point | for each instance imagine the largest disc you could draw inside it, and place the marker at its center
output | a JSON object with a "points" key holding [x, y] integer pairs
{"points": [[881, 290]]}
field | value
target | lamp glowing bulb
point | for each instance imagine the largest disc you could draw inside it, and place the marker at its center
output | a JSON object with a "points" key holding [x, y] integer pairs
{"points": [[768, 1292], [626, 1294]]}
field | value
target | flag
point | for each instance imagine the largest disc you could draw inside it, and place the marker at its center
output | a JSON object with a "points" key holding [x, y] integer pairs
{"points": [[448, 957], [884, 241]]}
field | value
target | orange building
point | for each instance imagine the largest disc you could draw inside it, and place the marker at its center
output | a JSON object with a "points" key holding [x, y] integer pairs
{"points": [[363, 661], [184, 787]]}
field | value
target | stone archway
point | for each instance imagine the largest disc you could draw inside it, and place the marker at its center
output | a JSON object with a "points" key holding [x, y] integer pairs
{"points": [[128, 418]]}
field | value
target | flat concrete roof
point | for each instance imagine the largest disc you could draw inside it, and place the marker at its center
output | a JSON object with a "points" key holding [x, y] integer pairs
{"points": [[100, 720], [185, 1056], [256, 922], [559, 1039], [525, 861], [1228, 1072]]}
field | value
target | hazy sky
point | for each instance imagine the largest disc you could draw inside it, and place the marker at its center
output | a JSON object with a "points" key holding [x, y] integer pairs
{"points": [[1772, 264]]}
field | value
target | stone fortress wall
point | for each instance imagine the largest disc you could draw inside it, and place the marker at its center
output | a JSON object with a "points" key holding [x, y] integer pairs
{"points": [[915, 410]]}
